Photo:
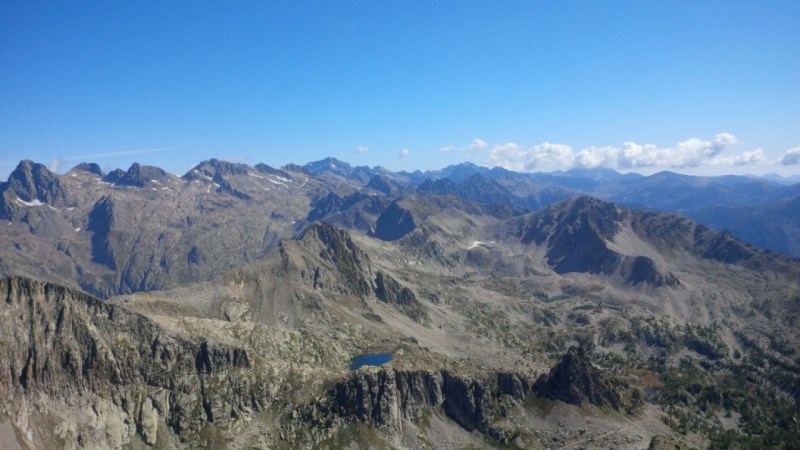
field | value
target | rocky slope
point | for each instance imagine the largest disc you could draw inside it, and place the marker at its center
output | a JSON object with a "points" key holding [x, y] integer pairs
{"points": [[81, 373], [103, 376]]}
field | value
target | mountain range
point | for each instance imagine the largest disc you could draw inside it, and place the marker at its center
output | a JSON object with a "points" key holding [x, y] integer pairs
{"points": [[223, 308]]}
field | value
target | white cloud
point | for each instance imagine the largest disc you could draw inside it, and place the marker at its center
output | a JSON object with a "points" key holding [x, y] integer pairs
{"points": [[55, 164], [362, 149], [404, 152], [477, 144], [791, 157], [542, 156], [744, 159], [693, 152], [690, 153], [592, 157]]}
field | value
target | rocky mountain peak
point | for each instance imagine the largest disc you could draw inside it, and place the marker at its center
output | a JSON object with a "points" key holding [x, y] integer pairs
{"points": [[344, 266], [601, 214], [32, 183], [140, 176], [114, 176], [216, 170], [92, 168], [329, 164], [336, 242], [586, 216], [577, 234]]}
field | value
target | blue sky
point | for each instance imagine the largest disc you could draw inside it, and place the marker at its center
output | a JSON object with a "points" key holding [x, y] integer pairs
{"points": [[695, 87]]}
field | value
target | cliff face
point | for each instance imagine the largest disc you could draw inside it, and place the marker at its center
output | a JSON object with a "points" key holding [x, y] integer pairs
{"points": [[109, 366], [385, 398]]}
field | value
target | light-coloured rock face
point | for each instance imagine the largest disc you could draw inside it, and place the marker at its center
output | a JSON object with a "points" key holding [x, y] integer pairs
{"points": [[110, 374], [148, 420]]}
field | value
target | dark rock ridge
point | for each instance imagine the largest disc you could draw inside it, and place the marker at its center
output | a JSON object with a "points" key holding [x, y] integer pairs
{"points": [[390, 291], [323, 206], [386, 397], [101, 223], [670, 233], [66, 345], [575, 380], [394, 223]]}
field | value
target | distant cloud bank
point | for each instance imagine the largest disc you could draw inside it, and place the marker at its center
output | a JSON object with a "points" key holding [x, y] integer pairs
{"points": [[791, 157], [691, 153]]}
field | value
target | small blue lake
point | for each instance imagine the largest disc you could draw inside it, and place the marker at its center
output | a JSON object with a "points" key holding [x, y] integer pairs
{"points": [[370, 359]]}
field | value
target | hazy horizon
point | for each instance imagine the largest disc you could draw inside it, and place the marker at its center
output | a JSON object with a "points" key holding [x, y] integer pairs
{"points": [[64, 168]]}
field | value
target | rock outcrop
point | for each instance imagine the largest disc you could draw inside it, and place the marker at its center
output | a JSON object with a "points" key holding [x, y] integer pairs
{"points": [[575, 380], [345, 268], [390, 291]]}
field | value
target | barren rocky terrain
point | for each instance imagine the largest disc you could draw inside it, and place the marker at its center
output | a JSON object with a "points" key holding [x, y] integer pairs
{"points": [[223, 309]]}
